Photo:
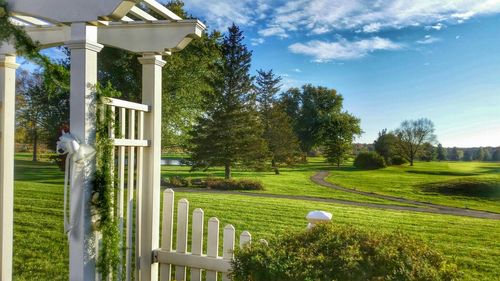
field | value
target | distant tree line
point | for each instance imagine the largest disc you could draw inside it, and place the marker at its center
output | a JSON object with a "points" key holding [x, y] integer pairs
{"points": [[415, 140]]}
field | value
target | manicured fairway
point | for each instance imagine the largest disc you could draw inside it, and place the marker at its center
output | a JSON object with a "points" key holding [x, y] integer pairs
{"points": [[409, 182], [40, 249]]}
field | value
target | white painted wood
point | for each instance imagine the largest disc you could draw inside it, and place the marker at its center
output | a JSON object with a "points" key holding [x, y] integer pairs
{"points": [[167, 232], [150, 205], [139, 188], [141, 14], [245, 239], [121, 183], [213, 245], [188, 260], [130, 198], [84, 49], [73, 10], [197, 241], [131, 143], [32, 20], [160, 9], [228, 248], [8, 68], [160, 36], [126, 104], [182, 236]]}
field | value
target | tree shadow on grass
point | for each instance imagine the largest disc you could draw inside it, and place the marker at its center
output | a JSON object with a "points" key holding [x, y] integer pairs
{"points": [[470, 187], [443, 173]]}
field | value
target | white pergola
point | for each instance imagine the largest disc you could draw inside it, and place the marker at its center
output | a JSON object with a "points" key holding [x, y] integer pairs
{"points": [[85, 27]]}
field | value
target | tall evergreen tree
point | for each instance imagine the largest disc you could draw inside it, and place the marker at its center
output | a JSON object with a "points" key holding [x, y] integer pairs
{"points": [[230, 130], [283, 145], [456, 154], [441, 153]]}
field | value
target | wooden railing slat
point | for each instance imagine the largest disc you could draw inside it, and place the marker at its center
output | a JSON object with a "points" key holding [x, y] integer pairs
{"points": [[213, 245]]}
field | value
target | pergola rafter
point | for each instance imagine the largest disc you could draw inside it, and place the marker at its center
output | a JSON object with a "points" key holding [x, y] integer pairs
{"points": [[85, 27]]}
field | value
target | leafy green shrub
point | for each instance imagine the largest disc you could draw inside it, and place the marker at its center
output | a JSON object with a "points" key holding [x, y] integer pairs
{"points": [[398, 160], [175, 181], [223, 184], [369, 161], [332, 252]]}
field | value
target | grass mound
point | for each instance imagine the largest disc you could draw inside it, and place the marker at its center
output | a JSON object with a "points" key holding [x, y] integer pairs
{"points": [[473, 187]]}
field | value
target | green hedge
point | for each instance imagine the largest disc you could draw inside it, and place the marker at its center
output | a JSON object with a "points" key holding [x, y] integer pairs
{"points": [[332, 252]]}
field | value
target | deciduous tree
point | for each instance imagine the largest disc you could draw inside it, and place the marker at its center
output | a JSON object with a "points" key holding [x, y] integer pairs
{"points": [[412, 134], [338, 136], [385, 145], [310, 108]]}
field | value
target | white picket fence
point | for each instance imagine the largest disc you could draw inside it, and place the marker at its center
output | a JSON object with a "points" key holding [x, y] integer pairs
{"points": [[196, 260]]}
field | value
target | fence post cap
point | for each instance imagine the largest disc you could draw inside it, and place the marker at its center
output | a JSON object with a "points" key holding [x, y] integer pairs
{"points": [[318, 216]]}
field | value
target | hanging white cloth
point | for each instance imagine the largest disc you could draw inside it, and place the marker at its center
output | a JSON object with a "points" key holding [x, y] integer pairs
{"points": [[77, 155]]}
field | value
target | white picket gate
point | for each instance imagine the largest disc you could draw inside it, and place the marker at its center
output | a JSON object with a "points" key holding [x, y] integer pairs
{"points": [[196, 260], [130, 144]]}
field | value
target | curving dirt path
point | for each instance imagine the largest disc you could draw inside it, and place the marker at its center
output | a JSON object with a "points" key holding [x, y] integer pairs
{"points": [[319, 178]]}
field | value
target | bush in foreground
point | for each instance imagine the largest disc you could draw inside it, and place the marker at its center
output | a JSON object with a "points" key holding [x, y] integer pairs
{"points": [[369, 161], [332, 252]]}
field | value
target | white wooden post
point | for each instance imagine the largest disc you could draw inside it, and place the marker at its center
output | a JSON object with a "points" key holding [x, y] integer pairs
{"points": [[84, 49], [150, 196], [8, 68]]}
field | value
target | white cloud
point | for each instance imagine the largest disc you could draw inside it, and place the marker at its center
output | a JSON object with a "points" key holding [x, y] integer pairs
{"points": [[457, 37], [257, 41], [428, 39], [298, 70], [372, 27], [320, 16], [437, 26], [323, 51], [221, 14], [273, 31]]}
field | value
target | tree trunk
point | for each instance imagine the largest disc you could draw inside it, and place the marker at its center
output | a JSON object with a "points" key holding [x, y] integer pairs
{"points": [[35, 145], [276, 170], [338, 163], [411, 161], [227, 172]]}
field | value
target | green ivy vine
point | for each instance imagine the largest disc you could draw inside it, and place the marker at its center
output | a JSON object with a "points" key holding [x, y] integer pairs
{"points": [[103, 202]]}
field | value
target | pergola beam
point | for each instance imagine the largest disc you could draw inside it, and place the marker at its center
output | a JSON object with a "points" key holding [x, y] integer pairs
{"points": [[141, 14], [160, 9], [162, 36], [31, 20]]}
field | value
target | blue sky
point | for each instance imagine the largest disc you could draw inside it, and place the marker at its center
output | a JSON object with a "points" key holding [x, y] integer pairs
{"points": [[391, 60]]}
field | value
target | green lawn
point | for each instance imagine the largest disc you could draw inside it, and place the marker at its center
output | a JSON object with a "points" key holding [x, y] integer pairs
{"points": [[413, 182], [292, 181], [40, 249]]}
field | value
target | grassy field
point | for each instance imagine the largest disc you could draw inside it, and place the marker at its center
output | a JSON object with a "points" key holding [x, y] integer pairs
{"points": [[40, 248], [482, 179], [292, 181]]}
